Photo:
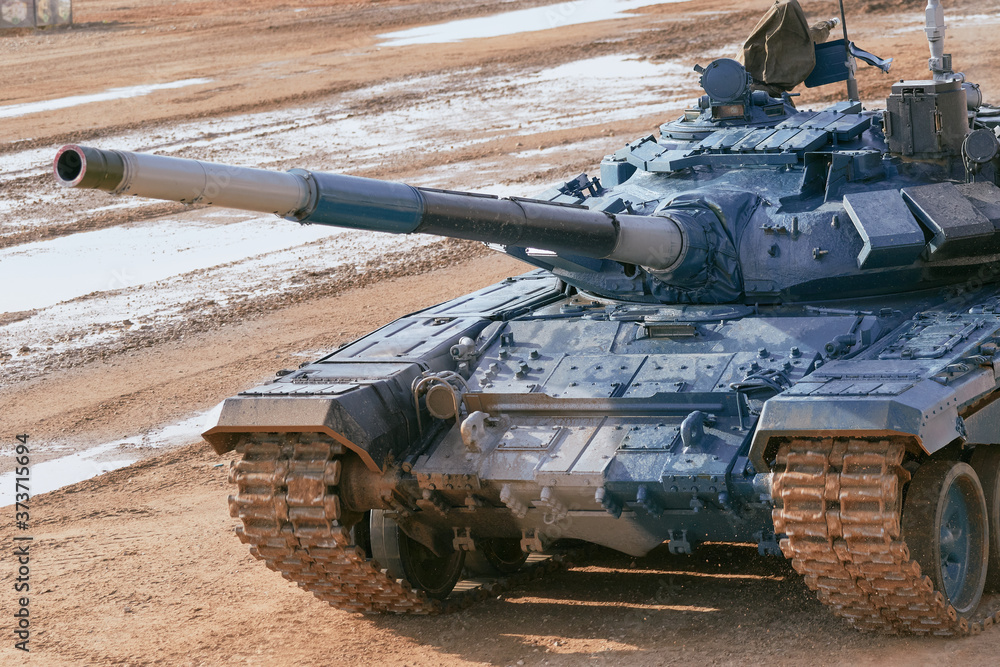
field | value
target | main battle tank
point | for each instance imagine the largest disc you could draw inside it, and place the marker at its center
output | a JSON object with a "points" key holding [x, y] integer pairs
{"points": [[763, 325]]}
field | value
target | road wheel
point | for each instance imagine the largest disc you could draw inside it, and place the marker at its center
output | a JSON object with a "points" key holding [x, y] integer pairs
{"points": [[496, 556], [986, 462], [405, 558], [946, 529]]}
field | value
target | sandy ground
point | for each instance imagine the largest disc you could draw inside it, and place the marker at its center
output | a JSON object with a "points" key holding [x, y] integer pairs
{"points": [[138, 566]]}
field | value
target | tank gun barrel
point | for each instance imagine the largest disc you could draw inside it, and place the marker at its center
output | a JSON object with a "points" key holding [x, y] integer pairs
{"points": [[658, 242]]}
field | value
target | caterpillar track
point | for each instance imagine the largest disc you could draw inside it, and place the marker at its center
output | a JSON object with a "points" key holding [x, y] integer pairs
{"points": [[839, 501], [293, 520]]}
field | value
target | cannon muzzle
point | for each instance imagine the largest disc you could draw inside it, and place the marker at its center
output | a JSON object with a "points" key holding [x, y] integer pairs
{"points": [[659, 242]]}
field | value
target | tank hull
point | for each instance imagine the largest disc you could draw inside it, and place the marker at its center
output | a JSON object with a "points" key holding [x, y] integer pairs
{"points": [[627, 425]]}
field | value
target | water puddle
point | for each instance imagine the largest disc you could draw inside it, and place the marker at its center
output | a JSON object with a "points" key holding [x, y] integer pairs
{"points": [[522, 20], [50, 272], [913, 25], [79, 466], [15, 110], [973, 20], [117, 309]]}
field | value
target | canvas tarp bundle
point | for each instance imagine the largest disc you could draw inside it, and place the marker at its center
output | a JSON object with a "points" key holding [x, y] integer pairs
{"points": [[780, 52]]}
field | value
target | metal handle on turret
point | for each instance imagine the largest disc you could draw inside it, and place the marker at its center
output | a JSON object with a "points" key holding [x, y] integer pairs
{"points": [[659, 242]]}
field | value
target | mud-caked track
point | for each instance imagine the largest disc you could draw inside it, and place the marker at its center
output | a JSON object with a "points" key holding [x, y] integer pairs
{"points": [[293, 520], [839, 501]]}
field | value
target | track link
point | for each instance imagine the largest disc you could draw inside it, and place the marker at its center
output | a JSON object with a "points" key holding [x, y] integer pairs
{"points": [[287, 498], [839, 501]]}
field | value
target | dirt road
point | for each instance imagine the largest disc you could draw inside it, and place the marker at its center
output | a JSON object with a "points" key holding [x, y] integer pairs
{"points": [[139, 566]]}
